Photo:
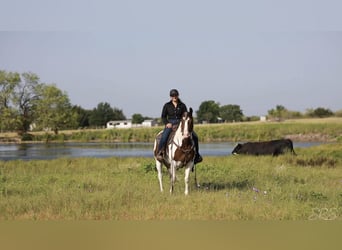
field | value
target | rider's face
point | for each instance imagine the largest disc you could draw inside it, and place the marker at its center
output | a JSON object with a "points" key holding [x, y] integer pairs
{"points": [[174, 97]]}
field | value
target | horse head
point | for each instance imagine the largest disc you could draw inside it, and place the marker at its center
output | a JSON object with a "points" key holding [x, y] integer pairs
{"points": [[187, 123]]}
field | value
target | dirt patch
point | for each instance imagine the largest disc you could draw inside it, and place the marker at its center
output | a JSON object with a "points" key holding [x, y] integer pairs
{"points": [[10, 140]]}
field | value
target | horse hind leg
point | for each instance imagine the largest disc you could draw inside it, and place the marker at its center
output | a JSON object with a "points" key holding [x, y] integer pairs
{"points": [[172, 178], [160, 176]]}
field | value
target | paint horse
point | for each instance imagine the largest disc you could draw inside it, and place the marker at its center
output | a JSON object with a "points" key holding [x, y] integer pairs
{"points": [[180, 151]]}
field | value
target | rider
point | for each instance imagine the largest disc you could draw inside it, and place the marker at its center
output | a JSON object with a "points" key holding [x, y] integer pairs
{"points": [[171, 115]]}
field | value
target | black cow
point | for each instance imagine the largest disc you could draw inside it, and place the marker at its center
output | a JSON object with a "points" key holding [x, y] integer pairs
{"points": [[274, 147]]}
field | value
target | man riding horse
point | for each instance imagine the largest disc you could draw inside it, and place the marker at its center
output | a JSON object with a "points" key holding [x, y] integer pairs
{"points": [[171, 114]]}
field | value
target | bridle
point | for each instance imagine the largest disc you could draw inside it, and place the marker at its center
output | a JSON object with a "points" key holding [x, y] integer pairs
{"points": [[187, 117]]}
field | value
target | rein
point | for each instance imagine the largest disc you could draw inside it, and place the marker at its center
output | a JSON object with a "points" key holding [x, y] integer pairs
{"points": [[182, 149], [187, 145]]}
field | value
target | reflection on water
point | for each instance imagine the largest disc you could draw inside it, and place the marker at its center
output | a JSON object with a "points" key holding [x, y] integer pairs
{"points": [[59, 150]]}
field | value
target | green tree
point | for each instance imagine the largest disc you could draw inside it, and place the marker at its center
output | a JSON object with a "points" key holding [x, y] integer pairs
{"points": [[318, 112], [8, 115], [8, 82], [53, 109], [24, 97], [208, 111], [137, 118], [82, 116], [104, 113], [294, 114], [322, 112], [278, 113], [231, 113]]}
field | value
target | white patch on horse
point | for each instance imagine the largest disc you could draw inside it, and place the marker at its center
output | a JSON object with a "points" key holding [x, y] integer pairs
{"points": [[179, 153]]}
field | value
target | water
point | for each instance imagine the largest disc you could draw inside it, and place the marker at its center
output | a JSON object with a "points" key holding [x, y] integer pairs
{"points": [[100, 150]]}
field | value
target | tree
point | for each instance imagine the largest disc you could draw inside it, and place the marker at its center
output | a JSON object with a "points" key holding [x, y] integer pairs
{"points": [[8, 115], [24, 97], [318, 112], [322, 112], [208, 111], [82, 116], [53, 109], [104, 113], [137, 118], [8, 82], [231, 113], [278, 113]]}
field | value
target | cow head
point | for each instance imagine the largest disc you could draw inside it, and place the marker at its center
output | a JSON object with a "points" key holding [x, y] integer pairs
{"points": [[237, 148]]}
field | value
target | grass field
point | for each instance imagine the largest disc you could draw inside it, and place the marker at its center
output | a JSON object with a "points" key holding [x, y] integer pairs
{"points": [[305, 187]]}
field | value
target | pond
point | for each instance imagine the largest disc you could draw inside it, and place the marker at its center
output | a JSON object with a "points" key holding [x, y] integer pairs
{"points": [[40, 151]]}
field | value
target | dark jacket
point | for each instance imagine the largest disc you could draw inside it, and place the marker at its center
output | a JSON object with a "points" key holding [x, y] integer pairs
{"points": [[170, 112]]}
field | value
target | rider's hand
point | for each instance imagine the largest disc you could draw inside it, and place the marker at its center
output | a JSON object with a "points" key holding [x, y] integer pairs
{"points": [[169, 125]]}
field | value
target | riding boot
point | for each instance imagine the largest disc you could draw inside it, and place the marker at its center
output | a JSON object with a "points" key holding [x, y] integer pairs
{"points": [[198, 158]]}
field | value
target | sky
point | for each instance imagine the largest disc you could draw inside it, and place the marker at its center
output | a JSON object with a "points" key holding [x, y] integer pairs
{"points": [[255, 54]]}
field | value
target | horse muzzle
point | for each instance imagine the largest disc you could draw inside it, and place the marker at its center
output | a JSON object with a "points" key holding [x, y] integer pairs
{"points": [[186, 135]]}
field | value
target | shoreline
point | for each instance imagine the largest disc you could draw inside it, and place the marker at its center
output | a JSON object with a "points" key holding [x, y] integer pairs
{"points": [[294, 137]]}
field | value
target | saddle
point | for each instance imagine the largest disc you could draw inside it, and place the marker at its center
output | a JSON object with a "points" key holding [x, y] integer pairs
{"points": [[179, 152], [169, 140]]}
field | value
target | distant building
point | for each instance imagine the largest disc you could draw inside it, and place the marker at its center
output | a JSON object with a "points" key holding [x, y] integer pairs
{"points": [[129, 124], [149, 123], [263, 118], [119, 124]]}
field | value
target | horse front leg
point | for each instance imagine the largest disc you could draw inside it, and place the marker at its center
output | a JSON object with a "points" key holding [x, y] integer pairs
{"points": [[160, 176], [186, 178], [172, 176]]}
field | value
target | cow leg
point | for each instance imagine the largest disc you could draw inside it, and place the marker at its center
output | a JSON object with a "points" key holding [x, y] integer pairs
{"points": [[160, 176]]}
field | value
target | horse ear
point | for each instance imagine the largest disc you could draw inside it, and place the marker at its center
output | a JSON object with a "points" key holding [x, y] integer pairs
{"points": [[190, 111]]}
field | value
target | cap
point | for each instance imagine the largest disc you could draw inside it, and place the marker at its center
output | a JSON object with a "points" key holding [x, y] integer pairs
{"points": [[174, 92]]}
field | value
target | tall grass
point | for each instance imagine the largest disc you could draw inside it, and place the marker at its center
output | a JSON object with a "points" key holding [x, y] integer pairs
{"points": [[266, 131], [305, 187], [315, 130]]}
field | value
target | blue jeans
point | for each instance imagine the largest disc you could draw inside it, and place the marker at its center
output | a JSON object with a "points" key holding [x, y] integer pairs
{"points": [[165, 135]]}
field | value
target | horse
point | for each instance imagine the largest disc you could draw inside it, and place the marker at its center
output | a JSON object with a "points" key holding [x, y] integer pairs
{"points": [[180, 152]]}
